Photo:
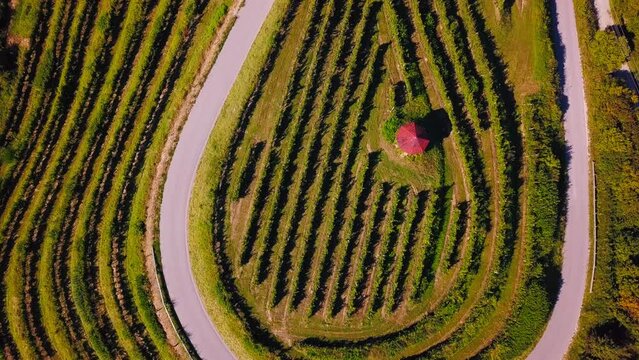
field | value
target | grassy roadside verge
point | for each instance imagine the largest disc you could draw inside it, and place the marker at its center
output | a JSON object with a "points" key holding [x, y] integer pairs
{"points": [[143, 226]]}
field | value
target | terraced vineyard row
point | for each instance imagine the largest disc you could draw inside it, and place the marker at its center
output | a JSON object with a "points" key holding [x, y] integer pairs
{"points": [[314, 232], [93, 99], [327, 239]]}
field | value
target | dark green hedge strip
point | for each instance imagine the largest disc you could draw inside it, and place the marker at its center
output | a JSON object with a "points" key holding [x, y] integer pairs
{"points": [[247, 174]]}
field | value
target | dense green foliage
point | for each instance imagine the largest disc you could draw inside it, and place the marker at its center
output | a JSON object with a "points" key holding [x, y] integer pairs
{"points": [[626, 13], [610, 317], [608, 52], [390, 127], [415, 110]]}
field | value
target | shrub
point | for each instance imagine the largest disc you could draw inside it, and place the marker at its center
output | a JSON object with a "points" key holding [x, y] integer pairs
{"points": [[608, 51], [390, 127], [7, 155], [417, 109]]}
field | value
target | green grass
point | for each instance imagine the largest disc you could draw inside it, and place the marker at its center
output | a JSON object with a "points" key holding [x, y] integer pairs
{"points": [[25, 18]]}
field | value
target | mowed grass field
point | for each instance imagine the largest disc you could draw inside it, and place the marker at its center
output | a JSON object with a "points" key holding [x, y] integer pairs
{"points": [[313, 236], [84, 116]]}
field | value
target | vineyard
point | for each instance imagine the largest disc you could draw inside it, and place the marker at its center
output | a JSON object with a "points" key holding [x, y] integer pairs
{"points": [[84, 116], [314, 235]]}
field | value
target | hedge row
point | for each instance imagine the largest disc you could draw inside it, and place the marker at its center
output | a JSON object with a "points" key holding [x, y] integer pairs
{"points": [[309, 156], [344, 174], [327, 166], [263, 187]]}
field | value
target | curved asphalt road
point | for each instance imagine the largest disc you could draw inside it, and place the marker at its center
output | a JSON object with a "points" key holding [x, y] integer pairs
{"points": [[564, 320], [181, 174]]}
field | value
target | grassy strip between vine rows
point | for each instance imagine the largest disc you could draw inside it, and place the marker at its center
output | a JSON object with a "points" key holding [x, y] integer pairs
{"points": [[116, 204], [311, 152], [70, 129], [80, 30], [63, 156], [306, 112], [252, 238], [29, 20], [60, 222], [344, 173], [10, 229], [327, 166], [286, 169]]}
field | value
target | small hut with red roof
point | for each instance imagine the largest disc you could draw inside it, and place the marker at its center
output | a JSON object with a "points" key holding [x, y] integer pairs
{"points": [[412, 138]]}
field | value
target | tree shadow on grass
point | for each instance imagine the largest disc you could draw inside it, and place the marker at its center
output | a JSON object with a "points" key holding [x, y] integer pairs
{"points": [[438, 126]]}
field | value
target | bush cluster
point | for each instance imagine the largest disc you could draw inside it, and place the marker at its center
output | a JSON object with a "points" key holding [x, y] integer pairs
{"points": [[415, 110]]}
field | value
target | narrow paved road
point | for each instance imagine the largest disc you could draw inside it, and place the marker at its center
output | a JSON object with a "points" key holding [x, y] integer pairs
{"points": [[564, 320], [604, 13], [181, 174]]}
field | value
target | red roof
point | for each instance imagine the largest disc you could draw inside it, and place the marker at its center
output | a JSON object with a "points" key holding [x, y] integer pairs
{"points": [[412, 138]]}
